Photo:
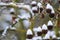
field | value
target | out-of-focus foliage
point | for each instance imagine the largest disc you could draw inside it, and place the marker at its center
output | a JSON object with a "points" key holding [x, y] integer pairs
{"points": [[16, 0]]}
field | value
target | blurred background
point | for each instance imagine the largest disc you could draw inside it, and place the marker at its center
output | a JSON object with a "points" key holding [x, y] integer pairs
{"points": [[20, 33]]}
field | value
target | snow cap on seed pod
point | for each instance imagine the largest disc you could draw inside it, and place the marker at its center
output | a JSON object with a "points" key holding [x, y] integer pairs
{"points": [[12, 10], [34, 2], [50, 23], [39, 5], [34, 8], [29, 32], [48, 6], [39, 29], [44, 27]]}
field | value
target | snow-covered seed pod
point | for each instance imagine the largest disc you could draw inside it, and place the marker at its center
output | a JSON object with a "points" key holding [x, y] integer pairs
{"points": [[50, 25], [35, 9], [40, 7], [29, 34], [52, 14], [44, 29], [50, 10], [39, 31], [12, 12], [33, 3]]}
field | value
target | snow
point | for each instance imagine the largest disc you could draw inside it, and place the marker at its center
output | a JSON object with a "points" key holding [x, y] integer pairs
{"points": [[44, 27], [39, 5], [50, 23], [47, 36], [39, 29], [34, 2], [50, 34], [26, 7], [29, 32], [50, 7], [12, 10], [35, 29], [2, 4], [34, 8]]}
